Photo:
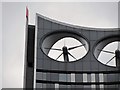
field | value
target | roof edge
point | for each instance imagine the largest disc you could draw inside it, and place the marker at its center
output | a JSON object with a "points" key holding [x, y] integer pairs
{"points": [[76, 26]]}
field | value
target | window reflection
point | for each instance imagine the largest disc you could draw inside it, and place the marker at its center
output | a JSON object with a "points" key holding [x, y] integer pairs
{"points": [[44, 76], [43, 85], [56, 86], [85, 77], [72, 77], [93, 80], [39, 85], [63, 77], [92, 77], [68, 77], [101, 79], [89, 77]]}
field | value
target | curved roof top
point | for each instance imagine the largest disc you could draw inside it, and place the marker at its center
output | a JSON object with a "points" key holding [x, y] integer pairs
{"points": [[76, 26]]}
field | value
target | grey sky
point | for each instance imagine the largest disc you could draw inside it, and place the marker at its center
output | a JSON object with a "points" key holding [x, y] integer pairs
{"points": [[0, 45], [85, 14]]}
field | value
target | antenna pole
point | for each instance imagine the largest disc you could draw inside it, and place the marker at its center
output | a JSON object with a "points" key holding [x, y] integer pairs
{"points": [[117, 55]]}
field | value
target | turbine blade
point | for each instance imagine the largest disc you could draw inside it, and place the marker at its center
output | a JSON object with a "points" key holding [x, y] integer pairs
{"points": [[64, 42], [118, 45], [53, 49], [76, 47], [110, 59], [71, 55], [106, 51], [59, 56]]}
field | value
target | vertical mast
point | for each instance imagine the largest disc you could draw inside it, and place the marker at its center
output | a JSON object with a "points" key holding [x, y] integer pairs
{"points": [[25, 57]]}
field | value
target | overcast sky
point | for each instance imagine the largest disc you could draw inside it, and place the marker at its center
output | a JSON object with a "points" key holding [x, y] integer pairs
{"points": [[104, 15]]}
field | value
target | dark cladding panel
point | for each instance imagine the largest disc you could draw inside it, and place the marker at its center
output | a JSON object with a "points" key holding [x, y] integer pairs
{"points": [[86, 33], [70, 66], [39, 63], [40, 33], [62, 66], [47, 25], [38, 43], [29, 80], [94, 66], [48, 76], [62, 27], [86, 66], [102, 67], [47, 31], [40, 23], [39, 53], [109, 33], [47, 64], [69, 28], [100, 35], [93, 35], [87, 58], [119, 76], [92, 43], [55, 26], [79, 66], [46, 57], [30, 45], [54, 65]]}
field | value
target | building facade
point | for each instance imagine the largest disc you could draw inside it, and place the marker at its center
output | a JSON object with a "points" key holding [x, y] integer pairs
{"points": [[83, 72]]}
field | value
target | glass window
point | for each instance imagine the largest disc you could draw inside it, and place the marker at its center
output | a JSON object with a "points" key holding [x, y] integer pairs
{"points": [[39, 75], [56, 86], [78, 77], [38, 85], [52, 85], [68, 77], [105, 77], [85, 77], [89, 77], [92, 77], [68, 86], [72, 77], [55, 77], [87, 87], [96, 77], [101, 79], [63, 86], [62, 77], [101, 87], [43, 85], [119, 77], [93, 80], [44, 76], [93, 87]]}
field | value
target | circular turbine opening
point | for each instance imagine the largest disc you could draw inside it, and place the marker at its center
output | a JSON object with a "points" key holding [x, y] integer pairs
{"points": [[107, 51], [107, 55], [75, 48], [64, 46]]}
